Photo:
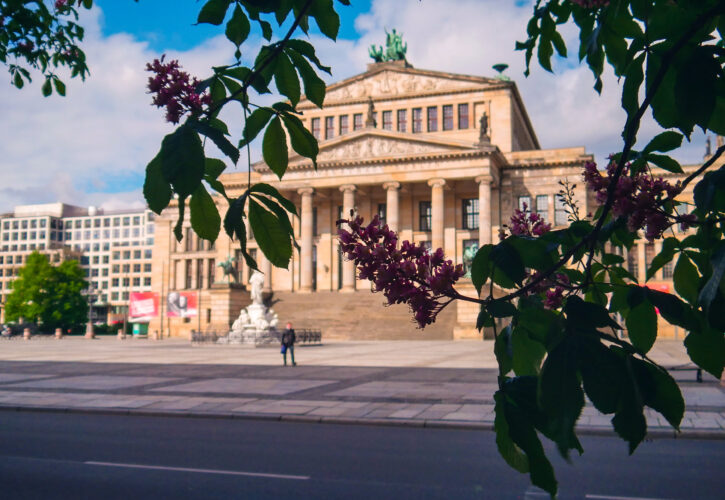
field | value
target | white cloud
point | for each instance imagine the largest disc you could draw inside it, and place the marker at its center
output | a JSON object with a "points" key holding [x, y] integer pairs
{"points": [[104, 132]]}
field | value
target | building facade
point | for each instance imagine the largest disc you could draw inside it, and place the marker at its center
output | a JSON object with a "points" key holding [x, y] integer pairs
{"points": [[442, 158], [112, 247]]}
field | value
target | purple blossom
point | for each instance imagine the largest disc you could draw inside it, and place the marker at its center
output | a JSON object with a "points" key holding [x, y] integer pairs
{"points": [[175, 90], [408, 274]]}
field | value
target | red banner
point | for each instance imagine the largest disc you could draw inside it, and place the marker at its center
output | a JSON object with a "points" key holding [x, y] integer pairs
{"points": [[143, 305], [181, 305]]}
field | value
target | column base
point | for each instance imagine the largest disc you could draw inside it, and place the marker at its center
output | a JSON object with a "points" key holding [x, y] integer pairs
{"points": [[305, 290], [346, 289]]}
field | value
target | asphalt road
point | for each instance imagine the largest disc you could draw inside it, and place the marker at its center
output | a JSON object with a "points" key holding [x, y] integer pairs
{"points": [[48, 455]]}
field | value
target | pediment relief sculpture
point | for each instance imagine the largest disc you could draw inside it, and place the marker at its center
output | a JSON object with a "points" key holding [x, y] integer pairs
{"points": [[394, 83], [373, 147]]}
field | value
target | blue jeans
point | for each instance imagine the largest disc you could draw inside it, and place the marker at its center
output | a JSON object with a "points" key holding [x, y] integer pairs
{"points": [[291, 351]]}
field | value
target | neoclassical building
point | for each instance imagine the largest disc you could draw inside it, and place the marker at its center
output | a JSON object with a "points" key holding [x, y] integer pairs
{"points": [[442, 158]]}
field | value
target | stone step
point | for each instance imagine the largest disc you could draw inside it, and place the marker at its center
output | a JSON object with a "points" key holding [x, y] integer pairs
{"points": [[361, 315]]}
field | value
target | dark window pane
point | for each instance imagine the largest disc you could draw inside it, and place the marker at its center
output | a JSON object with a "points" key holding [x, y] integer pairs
{"points": [[432, 119], [357, 121], [417, 120], [402, 120], [425, 216], [382, 213], [470, 213], [387, 120], [448, 117], [463, 116], [329, 127], [316, 128], [344, 126]]}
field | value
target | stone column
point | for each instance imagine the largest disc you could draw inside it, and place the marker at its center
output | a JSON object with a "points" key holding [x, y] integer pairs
{"points": [[552, 210], [306, 240], [484, 210], [437, 212], [391, 205], [348, 266]]}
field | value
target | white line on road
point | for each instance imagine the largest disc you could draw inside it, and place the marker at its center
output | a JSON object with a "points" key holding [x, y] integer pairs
{"points": [[201, 471], [610, 497]]}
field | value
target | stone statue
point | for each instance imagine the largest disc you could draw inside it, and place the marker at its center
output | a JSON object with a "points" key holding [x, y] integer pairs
{"points": [[708, 147], [256, 282], [370, 119], [468, 255], [229, 268], [483, 137], [395, 49]]}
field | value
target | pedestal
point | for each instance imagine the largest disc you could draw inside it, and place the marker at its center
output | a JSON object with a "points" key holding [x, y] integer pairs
{"points": [[227, 299]]}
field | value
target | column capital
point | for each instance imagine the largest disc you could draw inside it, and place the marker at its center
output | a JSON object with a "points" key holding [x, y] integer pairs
{"points": [[437, 182], [484, 179], [305, 190], [348, 188], [391, 185]]}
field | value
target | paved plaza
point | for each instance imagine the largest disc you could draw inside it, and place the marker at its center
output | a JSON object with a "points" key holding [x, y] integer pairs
{"points": [[418, 383]]}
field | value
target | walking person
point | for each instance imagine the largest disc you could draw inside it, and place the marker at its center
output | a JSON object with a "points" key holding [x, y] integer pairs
{"points": [[288, 344]]}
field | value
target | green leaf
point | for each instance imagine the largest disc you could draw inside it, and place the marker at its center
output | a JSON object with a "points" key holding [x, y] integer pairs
{"points": [[301, 139], [254, 124], [59, 86], [502, 351], [47, 88], [602, 374], [314, 86], [213, 12], [506, 447], [481, 267], [285, 78], [178, 228], [509, 267], [272, 191], [501, 308], [666, 141], [213, 168], [217, 136], [710, 290], [233, 223], [156, 189], [527, 353], [327, 19], [630, 89], [270, 236], [686, 279], [205, 219], [665, 163], [533, 252], [659, 391], [18, 80], [641, 323], [674, 310], [274, 147], [182, 160], [587, 314], [484, 319], [666, 255], [707, 350], [279, 212], [695, 87], [238, 27], [561, 396], [306, 49]]}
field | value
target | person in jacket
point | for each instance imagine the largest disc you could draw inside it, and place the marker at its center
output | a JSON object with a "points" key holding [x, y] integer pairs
{"points": [[288, 344]]}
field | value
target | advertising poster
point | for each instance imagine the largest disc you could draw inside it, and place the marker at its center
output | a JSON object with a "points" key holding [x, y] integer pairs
{"points": [[181, 305], [143, 306]]}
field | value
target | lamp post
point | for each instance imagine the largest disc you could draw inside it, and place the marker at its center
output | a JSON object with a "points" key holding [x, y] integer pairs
{"points": [[89, 325]]}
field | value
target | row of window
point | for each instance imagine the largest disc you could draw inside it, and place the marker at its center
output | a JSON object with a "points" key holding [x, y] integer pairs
{"points": [[77, 235], [397, 119], [541, 207], [32, 223], [649, 255], [192, 242], [199, 282], [28, 235], [136, 254], [70, 223], [23, 247]]}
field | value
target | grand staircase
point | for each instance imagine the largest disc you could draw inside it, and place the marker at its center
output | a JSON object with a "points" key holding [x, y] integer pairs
{"points": [[358, 316]]}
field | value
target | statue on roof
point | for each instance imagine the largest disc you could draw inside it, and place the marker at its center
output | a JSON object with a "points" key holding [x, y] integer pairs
{"points": [[394, 50]]}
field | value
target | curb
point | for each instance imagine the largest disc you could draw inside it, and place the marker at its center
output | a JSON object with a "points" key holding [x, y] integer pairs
{"points": [[652, 433]]}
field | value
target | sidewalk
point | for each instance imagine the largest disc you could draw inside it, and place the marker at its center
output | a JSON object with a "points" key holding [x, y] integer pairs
{"points": [[422, 383]]}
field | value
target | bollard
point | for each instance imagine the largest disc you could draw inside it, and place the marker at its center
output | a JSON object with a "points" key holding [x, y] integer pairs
{"points": [[121, 334], [155, 335], [59, 333], [26, 333]]}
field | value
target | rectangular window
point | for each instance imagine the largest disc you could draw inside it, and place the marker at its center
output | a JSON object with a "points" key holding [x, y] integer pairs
{"points": [[96, 222], [344, 125], [402, 120], [387, 120], [316, 128], [314, 221], [104, 271], [542, 206], [463, 116], [357, 121], [137, 268], [375, 118], [417, 120], [649, 254], [470, 213], [147, 281], [633, 261], [96, 259], [199, 273], [147, 268], [116, 221], [126, 221], [147, 253], [329, 127], [86, 223], [126, 267], [667, 271], [560, 215], [136, 281], [187, 274], [448, 117], [525, 204], [432, 113], [189, 243], [127, 254], [425, 216], [212, 270], [106, 222], [136, 220], [126, 282]]}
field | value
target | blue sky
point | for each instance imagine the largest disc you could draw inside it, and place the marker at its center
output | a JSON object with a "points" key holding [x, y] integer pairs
{"points": [[92, 147]]}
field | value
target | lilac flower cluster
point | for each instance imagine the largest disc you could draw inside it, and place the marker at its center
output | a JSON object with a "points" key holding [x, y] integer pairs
{"points": [[638, 198], [175, 89], [552, 288], [60, 4], [409, 274], [523, 223]]}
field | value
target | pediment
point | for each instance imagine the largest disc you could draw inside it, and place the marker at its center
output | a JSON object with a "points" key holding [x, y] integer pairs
{"points": [[377, 144], [395, 81]]}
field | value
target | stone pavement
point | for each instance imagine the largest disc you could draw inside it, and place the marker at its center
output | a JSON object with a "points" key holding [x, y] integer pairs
{"points": [[418, 383]]}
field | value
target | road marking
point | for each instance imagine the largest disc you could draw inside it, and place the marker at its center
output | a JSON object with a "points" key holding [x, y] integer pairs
{"points": [[201, 471], [610, 497]]}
